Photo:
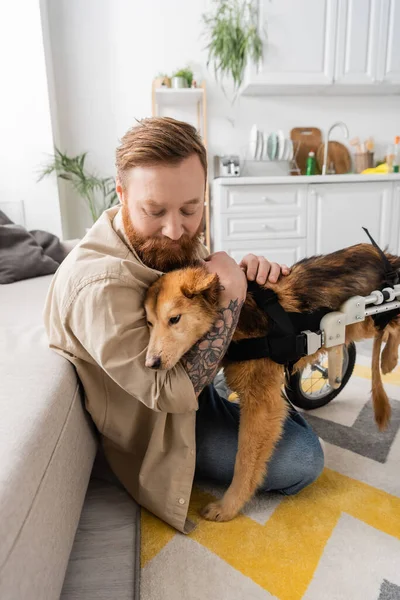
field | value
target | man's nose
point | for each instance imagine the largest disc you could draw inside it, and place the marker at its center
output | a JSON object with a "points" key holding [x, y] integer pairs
{"points": [[173, 230]]}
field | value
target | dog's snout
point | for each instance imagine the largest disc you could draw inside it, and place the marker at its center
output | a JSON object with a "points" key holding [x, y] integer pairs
{"points": [[154, 362]]}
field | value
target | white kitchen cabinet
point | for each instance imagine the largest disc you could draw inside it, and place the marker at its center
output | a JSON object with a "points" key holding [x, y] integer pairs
{"points": [[338, 211], [261, 199], [389, 43], [285, 252], [332, 46], [240, 227], [358, 30], [267, 220], [300, 43], [291, 219]]}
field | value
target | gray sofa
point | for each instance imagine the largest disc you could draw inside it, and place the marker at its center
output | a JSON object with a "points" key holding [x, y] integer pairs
{"points": [[47, 449], [67, 527]]}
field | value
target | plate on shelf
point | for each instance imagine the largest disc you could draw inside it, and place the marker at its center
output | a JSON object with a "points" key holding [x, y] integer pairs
{"points": [[265, 147], [253, 146], [281, 145], [260, 146], [288, 149], [272, 146]]}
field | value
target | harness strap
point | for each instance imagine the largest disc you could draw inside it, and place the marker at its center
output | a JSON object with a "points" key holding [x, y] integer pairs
{"points": [[282, 349], [267, 301], [284, 342]]}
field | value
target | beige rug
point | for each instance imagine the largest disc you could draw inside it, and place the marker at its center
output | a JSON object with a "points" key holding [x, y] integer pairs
{"points": [[337, 540]]}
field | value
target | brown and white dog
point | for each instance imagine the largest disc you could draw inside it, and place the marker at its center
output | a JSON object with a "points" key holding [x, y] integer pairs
{"points": [[321, 281]]}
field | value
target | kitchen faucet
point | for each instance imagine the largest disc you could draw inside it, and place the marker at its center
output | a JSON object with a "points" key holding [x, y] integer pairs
{"points": [[346, 135]]}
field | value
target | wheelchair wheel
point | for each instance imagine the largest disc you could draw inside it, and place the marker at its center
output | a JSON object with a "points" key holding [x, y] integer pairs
{"points": [[310, 387]]}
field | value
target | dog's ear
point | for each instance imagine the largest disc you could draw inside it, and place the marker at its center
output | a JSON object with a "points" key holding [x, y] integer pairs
{"points": [[199, 282]]}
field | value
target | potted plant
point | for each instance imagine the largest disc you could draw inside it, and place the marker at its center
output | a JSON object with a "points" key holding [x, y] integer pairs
{"points": [[162, 80], [182, 78], [232, 31], [98, 192]]}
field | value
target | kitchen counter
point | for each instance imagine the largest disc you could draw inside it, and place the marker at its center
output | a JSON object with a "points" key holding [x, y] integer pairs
{"points": [[298, 179]]}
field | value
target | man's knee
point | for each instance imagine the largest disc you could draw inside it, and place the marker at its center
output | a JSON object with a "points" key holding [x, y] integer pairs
{"points": [[309, 468]]}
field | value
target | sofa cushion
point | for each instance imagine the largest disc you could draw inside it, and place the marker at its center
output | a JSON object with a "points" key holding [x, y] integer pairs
{"points": [[21, 256], [37, 392]]}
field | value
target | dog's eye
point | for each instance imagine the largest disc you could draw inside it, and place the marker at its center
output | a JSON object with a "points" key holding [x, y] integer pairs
{"points": [[149, 324], [174, 320]]}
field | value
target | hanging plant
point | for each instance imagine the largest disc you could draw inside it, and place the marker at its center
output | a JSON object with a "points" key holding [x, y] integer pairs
{"points": [[232, 30]]}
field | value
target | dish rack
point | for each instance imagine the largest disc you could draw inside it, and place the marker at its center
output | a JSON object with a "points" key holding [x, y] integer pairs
{"points": [[249, 158]]}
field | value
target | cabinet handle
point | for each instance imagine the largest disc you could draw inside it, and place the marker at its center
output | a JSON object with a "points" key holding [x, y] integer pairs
{"points": [[266, 199], [313, 193]]}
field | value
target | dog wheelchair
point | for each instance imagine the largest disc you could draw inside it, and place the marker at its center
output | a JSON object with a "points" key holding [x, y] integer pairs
{"points": [[319, 383], [293, 336]]}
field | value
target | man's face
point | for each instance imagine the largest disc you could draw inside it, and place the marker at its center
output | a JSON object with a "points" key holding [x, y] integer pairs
{"points": [[162, 209]]}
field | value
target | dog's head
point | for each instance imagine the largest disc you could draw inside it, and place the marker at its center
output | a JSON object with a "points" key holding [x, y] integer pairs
{"points": [[181, 307]]}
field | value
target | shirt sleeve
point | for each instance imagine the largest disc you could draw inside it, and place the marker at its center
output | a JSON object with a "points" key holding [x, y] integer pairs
{"points": [[107, 319]]}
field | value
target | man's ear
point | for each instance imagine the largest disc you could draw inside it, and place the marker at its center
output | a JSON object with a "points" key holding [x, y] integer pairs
{"points": [[199, 282], [120, 190]]}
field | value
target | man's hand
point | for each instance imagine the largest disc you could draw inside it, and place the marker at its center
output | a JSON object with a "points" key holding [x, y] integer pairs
{"points": [[231, 277], [260, 269]]}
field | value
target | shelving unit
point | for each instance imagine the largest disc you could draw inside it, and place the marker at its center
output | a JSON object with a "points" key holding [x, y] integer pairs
{"points": [[178, 97], [186, 104]]}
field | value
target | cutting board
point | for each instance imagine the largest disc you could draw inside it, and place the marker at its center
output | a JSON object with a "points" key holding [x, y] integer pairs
{"points": [[309, 139], [338, 154]]}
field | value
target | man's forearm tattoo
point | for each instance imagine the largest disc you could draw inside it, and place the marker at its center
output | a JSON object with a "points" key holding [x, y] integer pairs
{"points": [[202, 361]]}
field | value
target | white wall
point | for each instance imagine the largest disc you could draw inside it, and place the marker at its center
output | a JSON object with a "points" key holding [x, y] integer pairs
{"points": [[25, 123], [106, 53]]}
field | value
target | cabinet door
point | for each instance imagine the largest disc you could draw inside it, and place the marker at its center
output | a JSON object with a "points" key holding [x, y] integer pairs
{"points": [[299, 42], [285, 252], [357, 41], [389, 42], [338, 211]]}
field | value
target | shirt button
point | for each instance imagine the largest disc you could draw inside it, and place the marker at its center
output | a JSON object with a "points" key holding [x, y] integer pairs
{"points": [[181, 501]]}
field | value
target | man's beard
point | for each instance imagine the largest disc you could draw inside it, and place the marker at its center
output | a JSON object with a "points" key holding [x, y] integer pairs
{"points": [[159, 253]]}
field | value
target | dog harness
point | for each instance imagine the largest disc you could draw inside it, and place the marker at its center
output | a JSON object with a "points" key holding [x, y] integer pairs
{"points": [[290, 334], [286, 341]]}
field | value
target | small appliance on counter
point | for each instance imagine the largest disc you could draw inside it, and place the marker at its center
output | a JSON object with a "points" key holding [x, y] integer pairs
{"points": [[226, 166]]}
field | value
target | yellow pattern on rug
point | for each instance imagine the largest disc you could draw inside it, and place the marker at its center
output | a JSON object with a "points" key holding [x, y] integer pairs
{"points": [[359, 371], [282, 555], [365, 373]]}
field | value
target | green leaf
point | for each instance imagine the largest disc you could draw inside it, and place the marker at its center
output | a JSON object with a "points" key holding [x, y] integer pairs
{"points": [[233, 39], [99, 193]]}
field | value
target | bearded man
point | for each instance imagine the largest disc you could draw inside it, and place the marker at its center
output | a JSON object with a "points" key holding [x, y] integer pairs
{"points": [[159, 429]]}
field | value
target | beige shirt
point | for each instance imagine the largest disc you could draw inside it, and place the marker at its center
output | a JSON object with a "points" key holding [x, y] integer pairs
{"points": [[94, 317]]}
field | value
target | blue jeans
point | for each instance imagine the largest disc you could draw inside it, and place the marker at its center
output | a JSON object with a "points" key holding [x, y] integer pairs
{"points": [[297, 461]]}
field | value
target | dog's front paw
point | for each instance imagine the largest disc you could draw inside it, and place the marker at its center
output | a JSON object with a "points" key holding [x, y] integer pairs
{"points": [[217, 511]]}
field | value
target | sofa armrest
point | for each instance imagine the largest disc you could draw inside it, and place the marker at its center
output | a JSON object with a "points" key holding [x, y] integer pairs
{"points": [[69, 244]]}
